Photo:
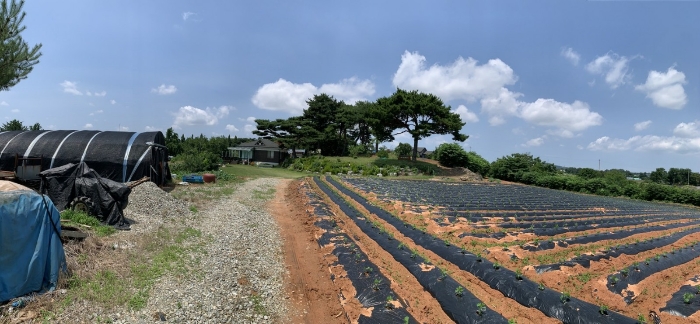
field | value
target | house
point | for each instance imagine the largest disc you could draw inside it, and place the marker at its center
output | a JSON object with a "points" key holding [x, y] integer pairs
{"points": [[260, 150], [423, 152]]}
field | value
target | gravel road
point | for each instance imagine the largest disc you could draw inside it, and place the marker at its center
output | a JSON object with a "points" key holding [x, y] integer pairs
{"points": [[240, 275]]}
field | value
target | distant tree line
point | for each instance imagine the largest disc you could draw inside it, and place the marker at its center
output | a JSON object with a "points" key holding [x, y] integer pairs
{"points": [[16, 125], [659, 185]]}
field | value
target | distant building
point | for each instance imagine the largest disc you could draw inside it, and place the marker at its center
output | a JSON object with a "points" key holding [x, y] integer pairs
{"points": [[260, 150]]}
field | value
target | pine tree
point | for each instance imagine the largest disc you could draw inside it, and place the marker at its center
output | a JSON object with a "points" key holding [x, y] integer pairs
{"points": [[16, 59]]}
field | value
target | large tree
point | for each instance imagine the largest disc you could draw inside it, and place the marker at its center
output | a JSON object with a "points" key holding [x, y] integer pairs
{"points": [[293, 133], [17, 59], [419, 114]]}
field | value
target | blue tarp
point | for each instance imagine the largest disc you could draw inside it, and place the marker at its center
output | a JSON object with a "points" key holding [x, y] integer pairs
{"points": [[31, 253]]}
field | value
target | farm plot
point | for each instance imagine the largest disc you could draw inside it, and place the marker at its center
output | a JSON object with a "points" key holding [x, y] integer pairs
{"points": [[609, 254]]}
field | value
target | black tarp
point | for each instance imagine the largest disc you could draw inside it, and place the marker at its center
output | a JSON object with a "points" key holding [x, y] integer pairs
{"points": [[63, 184], [118, 156]]}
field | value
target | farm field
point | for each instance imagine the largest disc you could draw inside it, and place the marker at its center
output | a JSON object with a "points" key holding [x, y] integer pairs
{"points": [[427, 251]]}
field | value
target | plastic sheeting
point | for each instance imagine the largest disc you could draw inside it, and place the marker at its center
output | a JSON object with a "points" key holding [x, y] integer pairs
{"points": [[118, 156], [31, 254], [462, 309], [523, 291], [109, 198]]}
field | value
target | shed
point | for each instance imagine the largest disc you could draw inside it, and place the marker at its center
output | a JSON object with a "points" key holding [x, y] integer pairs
{"points": [[118, 156], [260, 150]]}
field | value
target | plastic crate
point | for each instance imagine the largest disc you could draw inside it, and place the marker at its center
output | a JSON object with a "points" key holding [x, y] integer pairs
{"points": [[193, 178]]}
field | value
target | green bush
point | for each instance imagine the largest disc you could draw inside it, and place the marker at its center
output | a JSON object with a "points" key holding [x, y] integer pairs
{"points": [[404, 149], [195, 162], [383, 153], [477, 164], [451, 155]]}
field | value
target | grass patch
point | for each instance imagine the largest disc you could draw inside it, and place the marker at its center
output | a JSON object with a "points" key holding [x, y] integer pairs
{"points": [[249, 171], [257, 304], [81, 218], [264, 195]]}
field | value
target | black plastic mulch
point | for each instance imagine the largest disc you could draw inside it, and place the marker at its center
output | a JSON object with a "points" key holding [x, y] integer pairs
{"points": [[462, 309], [678, 306], [524, 291], [371, 286]]}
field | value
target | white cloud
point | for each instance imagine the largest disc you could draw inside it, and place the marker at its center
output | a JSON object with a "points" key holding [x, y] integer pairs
{"points": [[613, 67], [349, 90], [87, 126], [640, 126], [647, 143], [289, 97], [665, 89], [571, 55], [248, 128], [114, 102], [96, 112], [4, 103], [687, 130], [466, 115], [187, 15], [502, 105], [164, 89], [71, 87], [123, 128], [14, 110], [535, 142], [231, 128], [100, 94], [151, 129], [188, 115], [567, 118], [463, 79], [250, 120]]}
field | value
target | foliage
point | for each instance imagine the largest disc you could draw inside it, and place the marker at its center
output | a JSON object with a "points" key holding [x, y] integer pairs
{"points": [[16, 57], [418, 114], [195, 162], [512, 167], [16, 125], [451, 155], [85, 219], [659, 176], [688, 298], [403, 149], [478, 164], [383, 153]]}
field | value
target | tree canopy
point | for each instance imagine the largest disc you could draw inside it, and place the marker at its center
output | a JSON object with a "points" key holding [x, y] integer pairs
{"points": [[18, 59], [17, 125], [419, 114]]}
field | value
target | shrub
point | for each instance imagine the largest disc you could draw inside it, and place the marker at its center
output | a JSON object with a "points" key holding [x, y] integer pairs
{"points": [[195, 162], [451, 155], [477, 164], [404, 149], [383, 153]]}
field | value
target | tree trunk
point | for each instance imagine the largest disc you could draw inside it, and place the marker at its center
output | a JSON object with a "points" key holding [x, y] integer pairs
{"points": [[376, 146], [415, 148]]}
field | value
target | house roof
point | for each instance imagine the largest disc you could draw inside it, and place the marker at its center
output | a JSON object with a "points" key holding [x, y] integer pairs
{"points": [[260, 142], [421, 149]]}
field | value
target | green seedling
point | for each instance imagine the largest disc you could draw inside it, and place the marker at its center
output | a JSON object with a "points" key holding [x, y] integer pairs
{"points": [[376, 284], [389, 302], [443, 274], [688, 298], [565, 297], [480, 309], [540, 286], [459, 291], [368, 270], [603, 310], [496, 265], [518, 274]]}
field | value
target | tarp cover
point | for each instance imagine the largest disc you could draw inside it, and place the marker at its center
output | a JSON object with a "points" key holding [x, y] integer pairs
{"points": [[31, 254], [109, 198]]}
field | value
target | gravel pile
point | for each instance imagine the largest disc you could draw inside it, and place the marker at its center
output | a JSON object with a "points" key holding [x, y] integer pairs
{"points": [[241, 275], [149, 206]]}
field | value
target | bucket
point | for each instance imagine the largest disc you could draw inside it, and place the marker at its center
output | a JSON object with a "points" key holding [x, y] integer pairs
{"points": [[209, 178]]}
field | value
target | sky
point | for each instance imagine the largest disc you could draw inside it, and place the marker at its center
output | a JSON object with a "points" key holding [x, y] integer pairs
{"points": [[576, 83]]}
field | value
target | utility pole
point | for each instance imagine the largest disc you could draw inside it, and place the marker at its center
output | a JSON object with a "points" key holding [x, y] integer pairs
{"points": [[598, 164]]}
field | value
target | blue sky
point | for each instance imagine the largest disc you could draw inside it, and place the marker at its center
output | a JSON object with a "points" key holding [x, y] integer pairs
{"points": [[572, 82]]}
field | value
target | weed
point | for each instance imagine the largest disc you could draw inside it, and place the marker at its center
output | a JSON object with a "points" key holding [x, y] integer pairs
{"points": [[478, 257], [459, 291], [85, 219], [480, 309], [401, 246], [641, 319], [584, 277], [512, 321], [193, 209], [258, 307]]}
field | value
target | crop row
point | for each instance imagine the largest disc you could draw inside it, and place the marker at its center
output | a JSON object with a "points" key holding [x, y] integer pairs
{"points": [[511, 284]]}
